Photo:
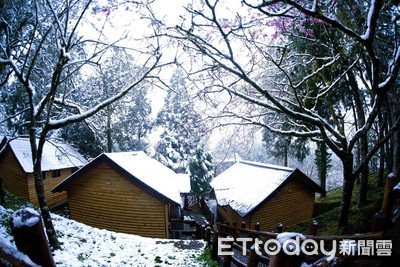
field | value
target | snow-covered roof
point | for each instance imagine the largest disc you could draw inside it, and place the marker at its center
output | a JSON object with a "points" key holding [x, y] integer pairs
{"points": [[183, 182], [56, 155], [246, 184], [149, 171], [138, 165]]}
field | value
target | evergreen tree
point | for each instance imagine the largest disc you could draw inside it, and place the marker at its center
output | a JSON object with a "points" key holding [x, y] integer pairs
{"points": [[201, 172], [180, 122], [322, 161]]}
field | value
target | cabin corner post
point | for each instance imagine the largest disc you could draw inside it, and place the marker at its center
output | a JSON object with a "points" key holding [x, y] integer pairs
{"points": [[167, 223]]}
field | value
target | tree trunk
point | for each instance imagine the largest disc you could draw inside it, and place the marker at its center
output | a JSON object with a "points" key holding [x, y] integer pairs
{"points": [[362, 198], [396, 159], [362, 143], [285, 163], [37, 151], [109, 137], [44, 208], [381, 171], [348, 185], [389, 145]]}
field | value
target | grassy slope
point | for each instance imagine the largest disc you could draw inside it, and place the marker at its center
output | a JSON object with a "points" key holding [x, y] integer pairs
{"points": [[326, 211]]}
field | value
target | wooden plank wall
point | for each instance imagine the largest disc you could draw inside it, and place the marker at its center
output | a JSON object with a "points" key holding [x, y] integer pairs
{"points": [[14, 178], [291, 205], [53, 199], [102, 198]]}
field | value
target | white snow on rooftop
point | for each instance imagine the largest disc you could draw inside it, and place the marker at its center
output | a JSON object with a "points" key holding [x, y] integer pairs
{"points": [[246, 184], [183, 182], [56, 155], [149, 171]]}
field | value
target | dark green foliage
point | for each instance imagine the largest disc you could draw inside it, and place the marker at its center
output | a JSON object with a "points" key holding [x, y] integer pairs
{"points": [[180, 123], [83, 138], [201, 172], [322, 162]]}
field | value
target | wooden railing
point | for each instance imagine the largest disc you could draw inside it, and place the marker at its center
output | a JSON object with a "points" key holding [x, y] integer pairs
{"points": [[389, 213], [247, 256], [383, 220]]}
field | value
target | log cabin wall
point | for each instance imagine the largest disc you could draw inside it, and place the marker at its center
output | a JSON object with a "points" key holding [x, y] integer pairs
{"points": [[14, 177], [49, 182], [292, 204], [103, 198]]}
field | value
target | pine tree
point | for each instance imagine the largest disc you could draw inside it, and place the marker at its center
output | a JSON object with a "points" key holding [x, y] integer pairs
{"points": [[201, 172], [180, 122], [322, 161]]}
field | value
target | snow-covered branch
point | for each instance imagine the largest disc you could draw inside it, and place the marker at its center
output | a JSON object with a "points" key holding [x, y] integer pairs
{"points": [[58, 123]]}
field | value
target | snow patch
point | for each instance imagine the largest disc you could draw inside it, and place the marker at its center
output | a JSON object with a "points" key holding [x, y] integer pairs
{"points": [[25, 217], [83, 245]]}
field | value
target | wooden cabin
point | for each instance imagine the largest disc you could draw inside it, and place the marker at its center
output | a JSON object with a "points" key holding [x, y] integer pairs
{"points": [[126, 192], [16, 168], [255, 192]]}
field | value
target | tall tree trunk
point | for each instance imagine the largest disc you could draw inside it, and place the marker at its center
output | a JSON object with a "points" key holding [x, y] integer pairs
{"points": [[109, 133], [396, 159], [285, 163], [381, 171], [348, 185], [37, 151], [389, 145], [362, 198]]}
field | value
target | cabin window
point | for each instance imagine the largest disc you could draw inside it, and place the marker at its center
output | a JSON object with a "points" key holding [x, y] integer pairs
{"points": [[55, 173], [43, 175]]}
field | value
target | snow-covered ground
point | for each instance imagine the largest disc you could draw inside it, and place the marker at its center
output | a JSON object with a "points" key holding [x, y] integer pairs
{"points": [[83, 245]]}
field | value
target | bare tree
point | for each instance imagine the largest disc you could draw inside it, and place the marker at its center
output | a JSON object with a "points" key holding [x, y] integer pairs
{"points": [[234, 51], [45, 57]]}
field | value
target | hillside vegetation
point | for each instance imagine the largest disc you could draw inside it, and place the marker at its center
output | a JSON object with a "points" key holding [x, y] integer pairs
{"points": [[326, 211]]}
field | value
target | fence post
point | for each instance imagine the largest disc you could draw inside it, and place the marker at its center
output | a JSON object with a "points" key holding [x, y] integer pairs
{"points": [[233, 231], [253, 257], [198, 231], [313, 229], [256, 228], [382, 217], [387, 204], [29, 236], [207, 236], [228, 255], [378, 222], [203, 232], [279, 228], [292, 259], [214, 251]]}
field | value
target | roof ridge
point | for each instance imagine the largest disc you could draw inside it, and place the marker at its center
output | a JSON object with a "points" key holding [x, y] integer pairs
{"points": [[266, 165]]}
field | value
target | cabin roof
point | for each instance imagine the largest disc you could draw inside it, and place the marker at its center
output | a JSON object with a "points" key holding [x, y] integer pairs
{"points": [[183, 182], [246, 185], [56, 155], [138, 167]]}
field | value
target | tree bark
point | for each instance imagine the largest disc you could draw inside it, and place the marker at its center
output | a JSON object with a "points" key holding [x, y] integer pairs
{"points": [[348, 185], [109, 136], [362, 143], [381, 171], [37, 151]]}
